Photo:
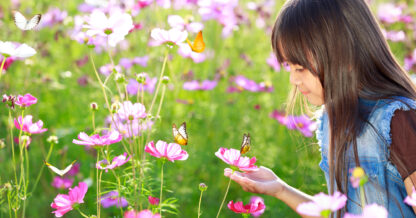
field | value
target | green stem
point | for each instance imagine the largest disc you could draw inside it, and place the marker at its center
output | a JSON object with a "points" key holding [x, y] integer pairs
{"points": [[93, 120], [161, 188], [161, 100], [43, 166], [225, 196], [82, 214], [98, 186], [199, 206], [2, 65], [160, 81], [12, 141], [362, 196]]}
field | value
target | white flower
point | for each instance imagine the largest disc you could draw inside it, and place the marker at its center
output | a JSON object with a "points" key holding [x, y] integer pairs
{"points": [[172, 36], [15, 50]]}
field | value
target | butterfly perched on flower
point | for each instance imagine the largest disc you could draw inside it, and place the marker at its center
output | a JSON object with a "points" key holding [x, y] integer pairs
{"points": [[58, 171], [180, 135], [198, 45], [25, 24], [245, 145]]}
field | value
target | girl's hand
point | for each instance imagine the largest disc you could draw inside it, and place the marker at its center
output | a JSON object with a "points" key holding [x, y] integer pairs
{"points": [[262, 181]]}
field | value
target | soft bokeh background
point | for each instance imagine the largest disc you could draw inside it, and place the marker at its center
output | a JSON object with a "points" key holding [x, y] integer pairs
{"points": [[215, 118]]}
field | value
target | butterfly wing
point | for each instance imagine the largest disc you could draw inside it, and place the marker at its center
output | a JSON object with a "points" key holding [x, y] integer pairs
{"points": [[33, 22], [198, 45], [19, 20], [180, 136], [245, 145], [58, 171]]}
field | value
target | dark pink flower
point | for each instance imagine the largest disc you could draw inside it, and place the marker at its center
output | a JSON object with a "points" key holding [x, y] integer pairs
{"points": [[252, 207], [97, 140], [233, 157], [74, 170], [141, 214], [63, 203], [255, 200], [111, 199], [62, 183], [171, 151], [26, 100], [153, 200], [26, 125]]}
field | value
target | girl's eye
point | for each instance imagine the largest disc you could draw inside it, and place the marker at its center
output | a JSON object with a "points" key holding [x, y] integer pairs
{"points": [[299, 70]]}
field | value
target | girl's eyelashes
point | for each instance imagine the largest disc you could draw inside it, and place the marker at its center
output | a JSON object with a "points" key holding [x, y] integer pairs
{"points": [[299, 70]]}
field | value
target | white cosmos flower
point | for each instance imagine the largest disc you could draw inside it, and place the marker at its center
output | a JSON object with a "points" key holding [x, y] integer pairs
{"points": [[13, 49]]}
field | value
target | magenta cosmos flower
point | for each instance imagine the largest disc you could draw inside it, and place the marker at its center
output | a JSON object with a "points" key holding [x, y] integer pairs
{"points": [[112, 199], [256, 200], [171, 151], [322, 204], [62, 183], [370, 211], [233, 157], [97, 140], [171, 37], [153, 200], [63, 203], [130, 111], [301, 123], [141, 214], [117, 161], [26, 125], [26, 100], [252, 207]]}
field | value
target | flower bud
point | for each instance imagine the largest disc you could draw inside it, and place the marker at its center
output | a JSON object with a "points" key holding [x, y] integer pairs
{"points": [[2, 144], [165, 80], [114, 107], [141, 78], [8, 186], [52, 139], [202, 187], [119, 78], [94, 106]]}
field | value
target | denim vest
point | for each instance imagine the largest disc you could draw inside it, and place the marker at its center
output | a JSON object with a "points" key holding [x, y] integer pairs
{"points": [[385, 186]]}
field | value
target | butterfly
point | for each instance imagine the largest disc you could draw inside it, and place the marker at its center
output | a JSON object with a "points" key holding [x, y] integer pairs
{"points": [[180, 136], [58, 171], [25, 24], [245, 145], [198, 45]]}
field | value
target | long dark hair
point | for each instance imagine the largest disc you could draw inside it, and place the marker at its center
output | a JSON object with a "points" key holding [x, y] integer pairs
{"points": [[341, 43]]}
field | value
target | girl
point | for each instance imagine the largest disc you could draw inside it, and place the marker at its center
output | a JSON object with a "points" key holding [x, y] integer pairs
{"points": [[339, 59]]}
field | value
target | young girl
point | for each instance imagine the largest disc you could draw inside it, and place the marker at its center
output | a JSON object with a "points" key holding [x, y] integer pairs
{"points": [[340, 60]]}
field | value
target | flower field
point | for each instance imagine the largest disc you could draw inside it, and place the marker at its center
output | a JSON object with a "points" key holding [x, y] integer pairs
{"points": [[95, 96]]}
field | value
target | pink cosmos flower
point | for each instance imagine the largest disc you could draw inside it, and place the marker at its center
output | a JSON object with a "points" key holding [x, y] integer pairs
{"points": [[149, 86], [153, 200], [394, 36], [322, 204], [410, 61], [26, 125], [127, 63], [171, 151], [62, 183], [301, 123], [74, 170], [256, 200], [389, 13], [116, 162], [252, 207], [116, 27], [176, 21], [97, 140], [12, 49], [7, 63], [25, 139], [26, 100], [63, 203], [233, 157], [186, 52], [52, 17], [108, 69], [142, 214], [370, 211], [112, 199], [411, 200], [195, 85], [130, 111], [171, 37]]}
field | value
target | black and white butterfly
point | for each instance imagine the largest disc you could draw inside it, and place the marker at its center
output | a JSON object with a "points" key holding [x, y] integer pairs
{"points": [[25, 24]]}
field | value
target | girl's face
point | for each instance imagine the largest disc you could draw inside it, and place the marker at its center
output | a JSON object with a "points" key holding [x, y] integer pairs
{"points": [[307, 83]]}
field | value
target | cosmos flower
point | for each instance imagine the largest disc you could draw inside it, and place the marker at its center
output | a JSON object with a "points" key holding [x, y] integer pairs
{"points": [[235, 160], [251, 208], [26, 125], [322, 204], [11, 49], [62, 183], [142, 214], [97, 140], [171, 37], [63, 203], [171, 151], [26, 100], [370, 211], [116, 162], [112, 199]]}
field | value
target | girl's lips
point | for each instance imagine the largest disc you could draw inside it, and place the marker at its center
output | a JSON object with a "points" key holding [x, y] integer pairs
{"points": [[304, 92]]}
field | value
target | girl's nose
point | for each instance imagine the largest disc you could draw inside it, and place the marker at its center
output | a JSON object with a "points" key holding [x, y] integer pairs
{"points": [[294, 80]]}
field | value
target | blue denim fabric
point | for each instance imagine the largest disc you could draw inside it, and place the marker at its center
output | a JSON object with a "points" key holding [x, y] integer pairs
{"points": [[385, 186]]}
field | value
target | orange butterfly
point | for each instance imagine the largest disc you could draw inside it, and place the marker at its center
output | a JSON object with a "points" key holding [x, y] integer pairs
{"points": [[180, 135], [245, 145], [198, 45]]}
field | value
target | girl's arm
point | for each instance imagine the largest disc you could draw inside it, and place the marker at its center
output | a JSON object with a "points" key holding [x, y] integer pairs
{"points": [[409, 183], [264, 181]]}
